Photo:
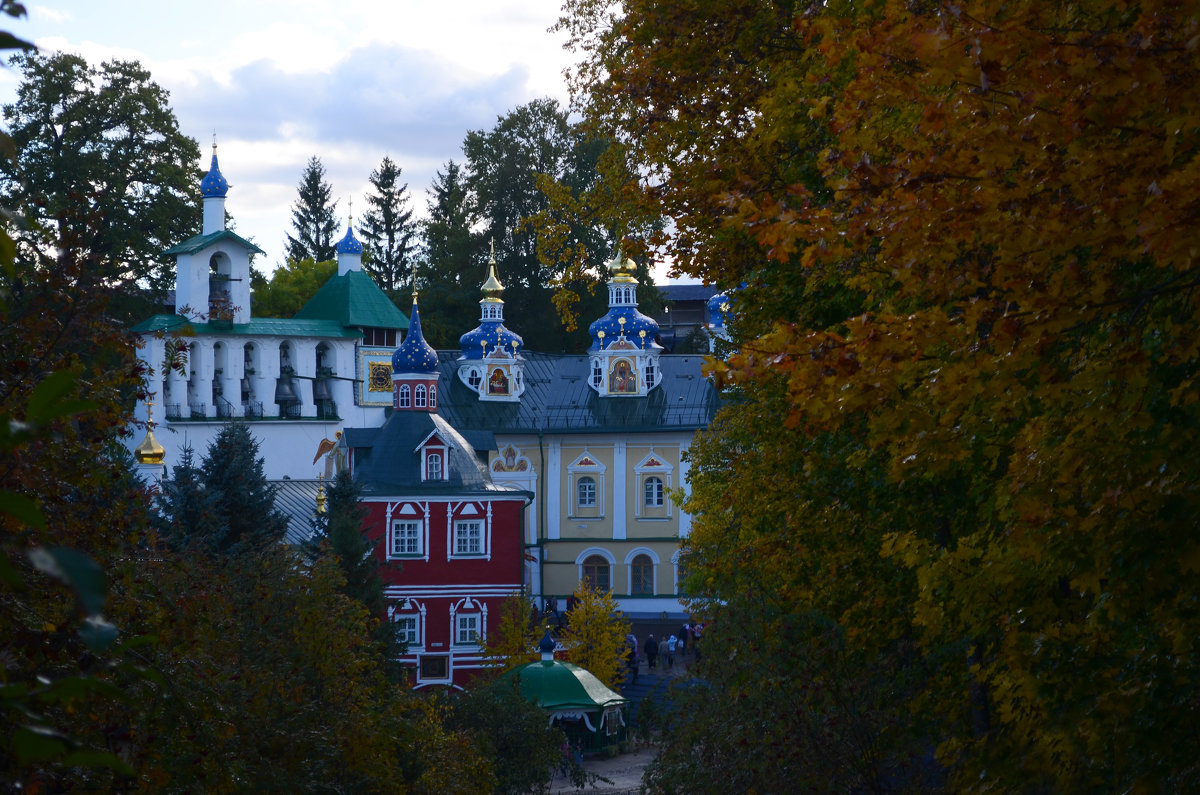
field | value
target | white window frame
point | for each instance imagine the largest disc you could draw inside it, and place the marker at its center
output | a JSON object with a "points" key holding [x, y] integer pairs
{"points": [[462, 530], [403, 397], [432, 397], [404, 609], [586, 483], [461, 619], [432, 457], [393, 537], [420, 394], [575, 472], [608, 557], [657, 497], [653, 465]]}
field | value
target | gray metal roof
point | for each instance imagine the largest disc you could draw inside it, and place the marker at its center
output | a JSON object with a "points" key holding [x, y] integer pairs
{"points": [[297, 499], [558, 399], [387, 459], [688, 292]]}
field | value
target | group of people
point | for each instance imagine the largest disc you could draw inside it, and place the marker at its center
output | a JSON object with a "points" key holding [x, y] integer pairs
{"points": [[688, 637]]}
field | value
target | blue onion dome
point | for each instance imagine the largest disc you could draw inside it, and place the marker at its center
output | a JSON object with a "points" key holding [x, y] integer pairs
{"points": [[547, 643], [624, 327], [214, 186], [489, 335], [717, 308], [414, 354], [349, 243]]}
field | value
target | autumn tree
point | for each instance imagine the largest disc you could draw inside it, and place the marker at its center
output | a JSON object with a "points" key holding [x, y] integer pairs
{"points": [[388, 229], [512, 640], [595, 633], [313, 216], [966, 348], [101, 168]]}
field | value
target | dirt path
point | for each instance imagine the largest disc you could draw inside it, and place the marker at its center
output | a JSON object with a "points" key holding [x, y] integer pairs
{"points": [[624, 771]]}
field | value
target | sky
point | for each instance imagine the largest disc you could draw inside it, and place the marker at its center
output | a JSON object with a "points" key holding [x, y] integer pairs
{"points": [[349, 81]]}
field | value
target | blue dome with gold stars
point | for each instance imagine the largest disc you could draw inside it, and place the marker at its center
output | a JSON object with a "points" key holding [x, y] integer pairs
{"points": [[634, 324], [487, 337], [349, 243], [414, 354], [716, 309], [214, 185]]}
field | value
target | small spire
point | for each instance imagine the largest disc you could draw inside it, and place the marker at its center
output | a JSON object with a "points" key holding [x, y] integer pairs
{"points": [[492, 249]]}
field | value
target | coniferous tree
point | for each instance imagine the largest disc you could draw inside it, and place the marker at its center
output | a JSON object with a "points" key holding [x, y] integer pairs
{"points": [[243, 500], [454, 267], [313, 216], [186, 510], [388, 230]]}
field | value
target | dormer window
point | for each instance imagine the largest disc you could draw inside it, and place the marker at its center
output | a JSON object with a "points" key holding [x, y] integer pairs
{"points": [[597, 373], [651, 374], [474, 379], [433, 467]]}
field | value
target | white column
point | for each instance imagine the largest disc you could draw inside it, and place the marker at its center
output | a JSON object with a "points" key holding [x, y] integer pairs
{"points": [[554, 484], [619, 476], [306, 365]]}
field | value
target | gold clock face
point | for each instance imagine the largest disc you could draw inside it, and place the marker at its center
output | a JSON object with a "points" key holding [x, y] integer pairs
{"points": [[380, 378]]}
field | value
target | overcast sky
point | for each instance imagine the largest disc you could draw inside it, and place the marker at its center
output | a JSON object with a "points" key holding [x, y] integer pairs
{"points": [[349, 81]]}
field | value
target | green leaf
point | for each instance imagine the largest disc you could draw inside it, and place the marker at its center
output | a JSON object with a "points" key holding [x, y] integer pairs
{"points": [[11, 42], [22, 508], [37, 744], [76, 570], [49, 399], [97, 633]]}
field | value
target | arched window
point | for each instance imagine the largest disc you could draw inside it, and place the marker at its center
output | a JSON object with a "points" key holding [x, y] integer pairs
{"points": [[433, 397], [433, 466], [597, 571], [641, 576], [419, 396], [654, 492], [404, 398], [586, 492], [597, 373]]}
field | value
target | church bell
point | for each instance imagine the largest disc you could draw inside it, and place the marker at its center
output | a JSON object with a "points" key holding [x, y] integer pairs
{"points": [[284, 391], [321, 390]]}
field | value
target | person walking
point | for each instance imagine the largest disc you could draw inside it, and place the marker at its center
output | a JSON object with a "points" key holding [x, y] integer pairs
{"points": [[685, 632], [651, 649], [672, 644]]}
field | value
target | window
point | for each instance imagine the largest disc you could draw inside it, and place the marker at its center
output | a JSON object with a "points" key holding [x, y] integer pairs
{"points": [[435, 666], [468, 538], [407, 630], [654, 492], [651, 374], [467, 629], [433, 466], [433, 397], [474, 379], [419, 397], [597, 571], [586, 489], [597, 373], [406, 538], [641, 576], [402, 400]]}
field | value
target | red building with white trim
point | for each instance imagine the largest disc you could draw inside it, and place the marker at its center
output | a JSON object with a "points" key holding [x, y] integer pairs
{"points": [[449, 540]]}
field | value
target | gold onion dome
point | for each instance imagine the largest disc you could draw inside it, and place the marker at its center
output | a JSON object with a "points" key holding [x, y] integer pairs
{"points": [[492, 288], [622, 268], [149, 451]]}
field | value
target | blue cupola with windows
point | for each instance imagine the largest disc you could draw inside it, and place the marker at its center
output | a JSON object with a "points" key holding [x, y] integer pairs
{"points": [[624, 351], [623, 323], [414, 355], [491, 363], [349, 252], [414, 369]]}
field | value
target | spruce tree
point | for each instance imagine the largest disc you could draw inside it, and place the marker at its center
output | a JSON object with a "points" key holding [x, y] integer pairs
{"points": [[455, 258], [243, 502], [388, 230], [313, 216], [185, 509]]}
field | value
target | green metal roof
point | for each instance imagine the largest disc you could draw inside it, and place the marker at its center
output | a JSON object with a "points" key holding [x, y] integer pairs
{"points": [[259, 326], [555, 685], [353, 299], [194, 244]]}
